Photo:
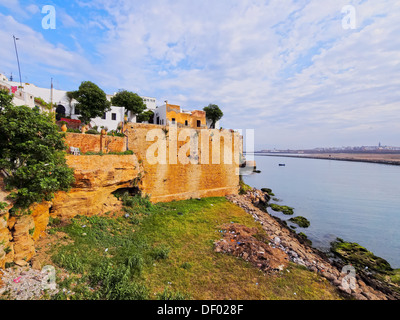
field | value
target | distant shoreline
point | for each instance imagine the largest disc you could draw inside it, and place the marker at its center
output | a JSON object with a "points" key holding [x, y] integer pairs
{"points": [[389, 159]]}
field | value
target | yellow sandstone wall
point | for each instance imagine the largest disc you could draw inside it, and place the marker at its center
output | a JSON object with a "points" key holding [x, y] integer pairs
{"points": [[174, 180], [95, 143], [96, 178]]}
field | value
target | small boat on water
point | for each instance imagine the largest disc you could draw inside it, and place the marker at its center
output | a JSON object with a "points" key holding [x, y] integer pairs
{"points": [[281, 164]]}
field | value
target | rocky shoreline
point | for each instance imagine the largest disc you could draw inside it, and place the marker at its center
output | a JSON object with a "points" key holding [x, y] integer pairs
{"points": [[361, 287]]}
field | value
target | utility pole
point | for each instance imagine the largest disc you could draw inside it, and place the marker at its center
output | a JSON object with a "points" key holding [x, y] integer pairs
{"points": [[16, 52], [51, 93], [51, 101]]}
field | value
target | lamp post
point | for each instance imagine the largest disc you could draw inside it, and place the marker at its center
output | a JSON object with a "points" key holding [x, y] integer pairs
{"points": [[16, 52]]}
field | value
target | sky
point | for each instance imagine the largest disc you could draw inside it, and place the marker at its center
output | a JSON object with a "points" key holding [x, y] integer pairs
{"points": [[300, 73]]}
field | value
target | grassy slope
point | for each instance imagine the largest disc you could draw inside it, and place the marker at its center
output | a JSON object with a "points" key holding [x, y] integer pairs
{"points": [[173, 249]]}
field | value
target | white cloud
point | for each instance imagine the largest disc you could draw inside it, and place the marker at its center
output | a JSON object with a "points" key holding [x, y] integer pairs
{"points": [[32, 9], [66, 20], [10, 4], [38, 56], [286, 68]]}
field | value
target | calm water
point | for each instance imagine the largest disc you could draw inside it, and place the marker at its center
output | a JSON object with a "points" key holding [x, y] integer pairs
{"points": [[358, 202]]}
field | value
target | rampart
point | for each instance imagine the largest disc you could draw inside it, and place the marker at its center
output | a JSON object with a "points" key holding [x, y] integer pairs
{"points": [[197, 163], [210, 168]]}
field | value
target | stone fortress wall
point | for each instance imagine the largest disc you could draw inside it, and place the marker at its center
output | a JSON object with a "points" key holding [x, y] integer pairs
{"points": [[209, 169]]}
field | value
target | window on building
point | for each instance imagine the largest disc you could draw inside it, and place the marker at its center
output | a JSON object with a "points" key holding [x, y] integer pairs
{"points": [[198, 123], [186, 123], [104, 116], [113, 116], [173, 120], [77, 111]]}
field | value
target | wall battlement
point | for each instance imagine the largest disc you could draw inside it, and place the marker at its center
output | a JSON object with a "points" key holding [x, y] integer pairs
{"points": [[177, 163]]}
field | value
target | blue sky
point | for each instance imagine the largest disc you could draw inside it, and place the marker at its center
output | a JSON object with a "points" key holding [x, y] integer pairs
{"points": [[285, 68]]}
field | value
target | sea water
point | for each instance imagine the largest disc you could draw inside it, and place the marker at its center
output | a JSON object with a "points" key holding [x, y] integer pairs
{"points": [[356, 201]]}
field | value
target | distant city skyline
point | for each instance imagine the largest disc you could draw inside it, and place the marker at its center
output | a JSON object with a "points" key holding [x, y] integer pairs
{"points": [[345, 148], [300, 73]]}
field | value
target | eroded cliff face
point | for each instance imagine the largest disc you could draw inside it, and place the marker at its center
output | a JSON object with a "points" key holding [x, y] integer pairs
{"points": [[96, 177]]}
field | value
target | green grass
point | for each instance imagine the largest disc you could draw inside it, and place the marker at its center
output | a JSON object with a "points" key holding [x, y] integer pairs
{"points": [[167, 253], [100, 153], [243, 187]]}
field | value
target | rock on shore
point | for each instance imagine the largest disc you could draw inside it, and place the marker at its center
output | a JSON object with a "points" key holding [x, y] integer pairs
{"points": [[299, 252], [244, 242]]}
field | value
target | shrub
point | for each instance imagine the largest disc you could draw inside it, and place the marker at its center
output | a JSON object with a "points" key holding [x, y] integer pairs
{"points": [[136, 201], [243, 188], [127, 152], [3, 205], [92, 131], [115, 134], [54, 221], [32, 153]]}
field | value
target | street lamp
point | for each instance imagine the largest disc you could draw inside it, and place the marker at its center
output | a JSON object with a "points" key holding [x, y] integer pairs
{"points": [[16, 52]]}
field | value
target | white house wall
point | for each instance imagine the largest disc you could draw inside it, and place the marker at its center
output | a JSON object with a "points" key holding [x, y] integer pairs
{"points": [[161, 112], [116, 112], [209, 122], [30, 91]]}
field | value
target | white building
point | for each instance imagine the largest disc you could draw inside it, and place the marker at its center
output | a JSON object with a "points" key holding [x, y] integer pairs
{"points": [[20, 97], [150, 103], [28, 92]]}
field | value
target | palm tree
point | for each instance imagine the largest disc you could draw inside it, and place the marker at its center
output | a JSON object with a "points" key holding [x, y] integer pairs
{"points": [[70, 96]]}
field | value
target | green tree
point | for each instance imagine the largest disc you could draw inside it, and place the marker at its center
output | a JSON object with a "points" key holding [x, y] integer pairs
{"points": [[130, 101], [5, 98], [213, 113], [145, 116], [32, 156], [92, 101]]}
